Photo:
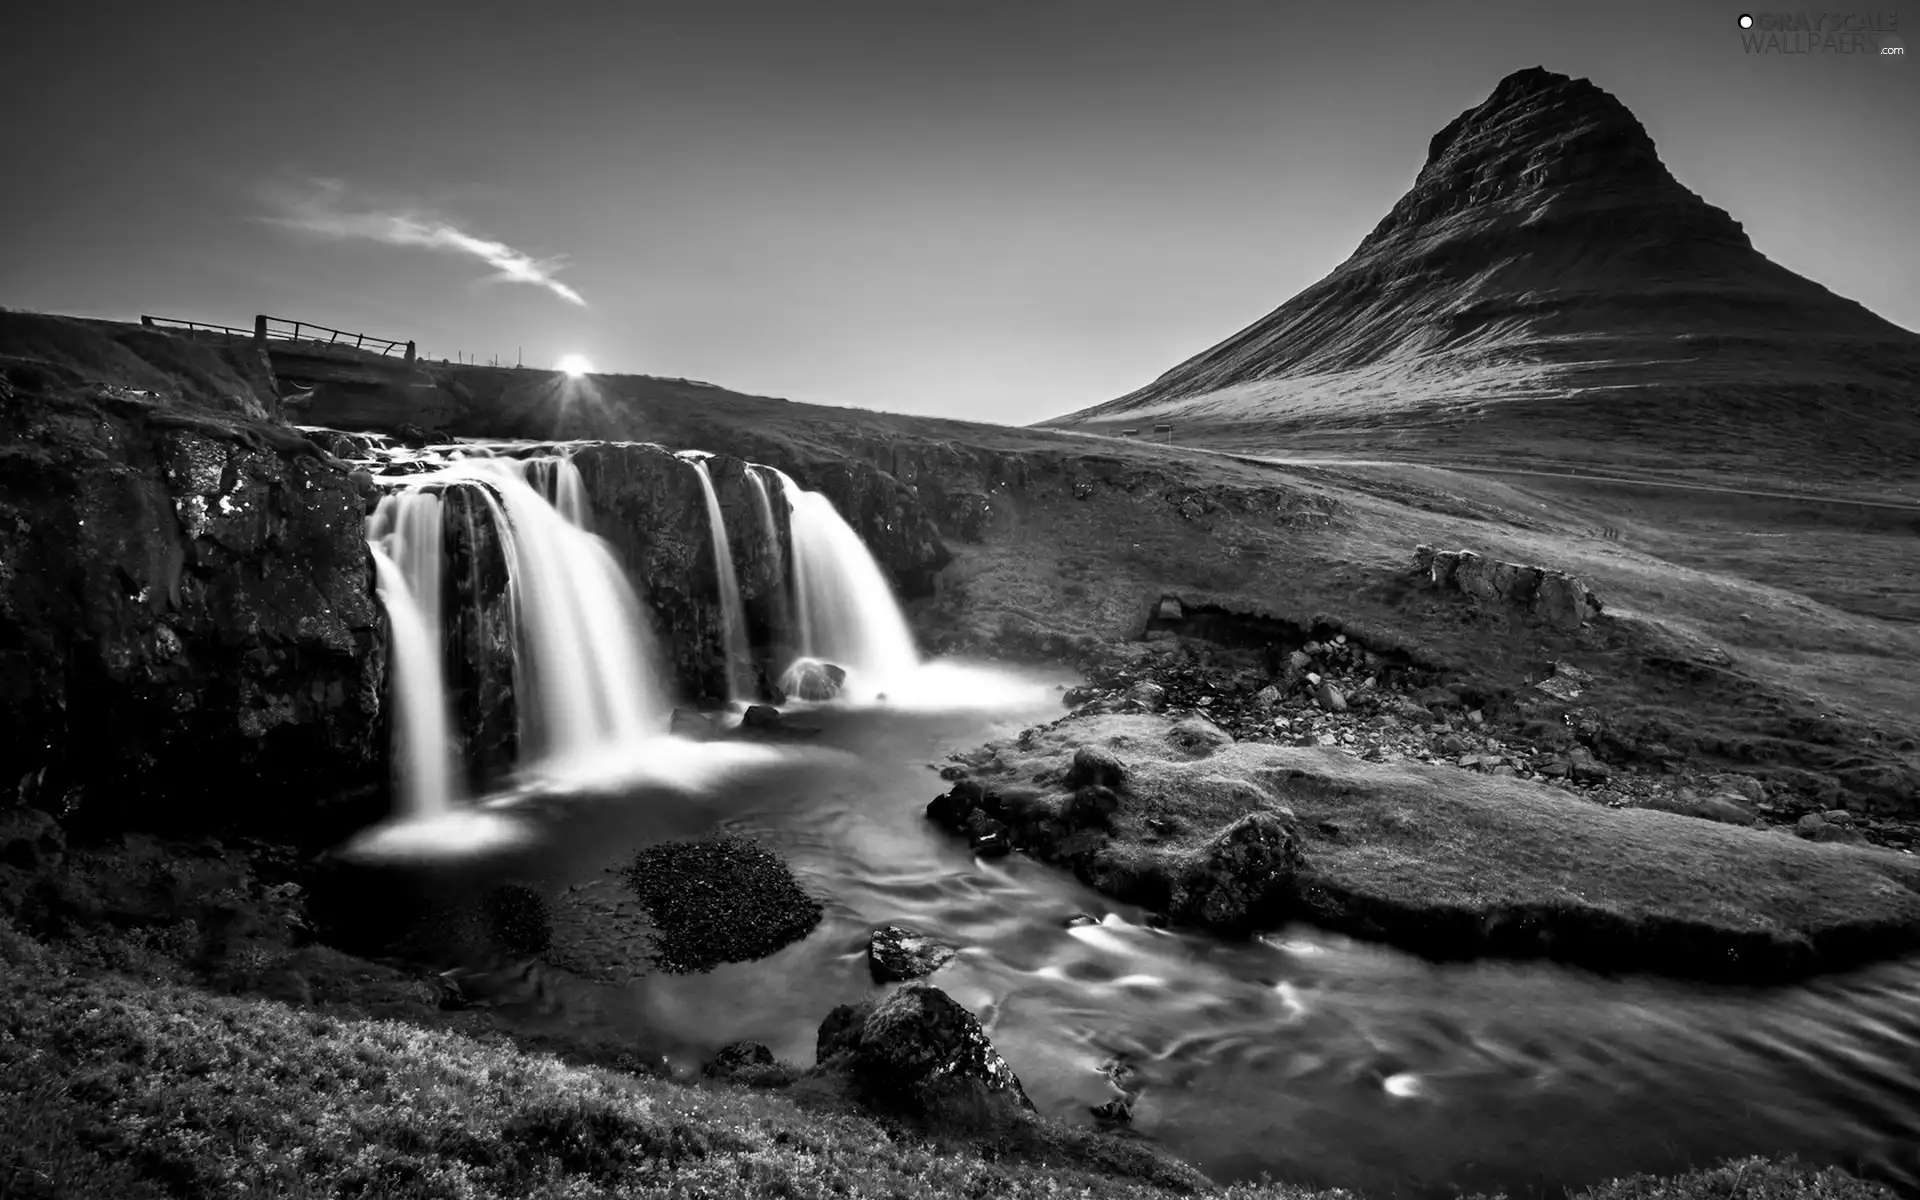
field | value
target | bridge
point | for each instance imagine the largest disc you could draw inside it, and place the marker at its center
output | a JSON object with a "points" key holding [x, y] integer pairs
{"points": [[304, 353], [333, 377]]}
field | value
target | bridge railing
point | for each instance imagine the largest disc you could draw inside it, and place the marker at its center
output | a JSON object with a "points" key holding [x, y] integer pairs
{"points": [[266, 328]]}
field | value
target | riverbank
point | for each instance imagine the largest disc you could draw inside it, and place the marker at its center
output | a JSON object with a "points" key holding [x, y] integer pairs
{"points": [[1172, 813], [138, 1082]]}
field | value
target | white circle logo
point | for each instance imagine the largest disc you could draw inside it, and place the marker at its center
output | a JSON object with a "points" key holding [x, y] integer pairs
{"points": [[1746, 22]]}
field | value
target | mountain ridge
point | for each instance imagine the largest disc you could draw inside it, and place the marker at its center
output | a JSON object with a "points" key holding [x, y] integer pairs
{"points": [[1547, 280]]}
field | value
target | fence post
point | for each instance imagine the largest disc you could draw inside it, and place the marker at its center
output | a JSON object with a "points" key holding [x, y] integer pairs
{"points": [[260, 328], [409, 353]]}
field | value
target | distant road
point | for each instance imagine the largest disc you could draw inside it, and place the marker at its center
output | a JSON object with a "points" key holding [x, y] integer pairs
{"points": [[1276, 460], [1801, 497]]}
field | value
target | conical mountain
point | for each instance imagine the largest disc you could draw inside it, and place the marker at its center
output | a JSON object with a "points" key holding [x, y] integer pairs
{"points": [[1548, 290]]}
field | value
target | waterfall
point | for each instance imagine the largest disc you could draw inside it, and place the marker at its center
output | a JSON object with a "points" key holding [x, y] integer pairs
{"points": [[405, 538], [733, 614], [559, 482], [783, 630], [845, 610], [584, 670], [585, 679]]}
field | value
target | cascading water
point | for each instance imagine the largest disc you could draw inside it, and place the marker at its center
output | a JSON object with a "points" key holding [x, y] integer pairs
{"points": [[586, 684], [763, 505], [845, 610], [558, 480], [585, 673], [405, 539], [733, 614]]}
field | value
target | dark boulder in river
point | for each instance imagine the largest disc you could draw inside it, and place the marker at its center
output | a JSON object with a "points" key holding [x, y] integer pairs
{"points": [[919, 1051]]}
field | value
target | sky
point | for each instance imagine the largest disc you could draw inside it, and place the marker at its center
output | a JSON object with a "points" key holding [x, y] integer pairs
{"points": [[1001, 210]]}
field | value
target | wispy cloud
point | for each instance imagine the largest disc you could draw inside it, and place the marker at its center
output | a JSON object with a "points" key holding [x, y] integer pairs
{"points": [[326, 207]]}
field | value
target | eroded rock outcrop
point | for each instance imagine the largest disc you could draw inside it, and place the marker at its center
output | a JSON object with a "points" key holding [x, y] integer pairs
{"points": [[1554, 596], [187, 623]]}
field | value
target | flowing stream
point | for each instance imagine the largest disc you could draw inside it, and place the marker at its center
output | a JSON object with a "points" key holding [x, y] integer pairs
{"points": [[1307, 1055], [843, 606], [1301, 1053]]}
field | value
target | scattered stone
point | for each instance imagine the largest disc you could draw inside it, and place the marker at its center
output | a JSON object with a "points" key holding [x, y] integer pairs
{"points": [[896, 953], [1328, 697], [1745, 786], [1584, 768], [737, 1059], [1560, 688], [1169, 609], [991, 844], [761, 716], [1095, 766], [811, 679], [1236, 881], [1845, 835], [1198, 736], [1148, 695], [919, 1051], [1267, 697]]}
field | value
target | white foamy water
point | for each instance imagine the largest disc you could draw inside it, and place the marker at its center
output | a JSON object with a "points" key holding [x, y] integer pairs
{"points": [[844, 607], [733, 614], [591, 704], [586, 677], [422, 746]]}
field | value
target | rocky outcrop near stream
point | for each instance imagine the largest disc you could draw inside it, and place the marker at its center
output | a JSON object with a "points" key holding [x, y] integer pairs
{"points": [[1554, 596], [187, 624]]}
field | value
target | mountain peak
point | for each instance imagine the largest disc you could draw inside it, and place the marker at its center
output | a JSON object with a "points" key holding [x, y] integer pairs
{"points": [[1545, 272], [1545, 145]]}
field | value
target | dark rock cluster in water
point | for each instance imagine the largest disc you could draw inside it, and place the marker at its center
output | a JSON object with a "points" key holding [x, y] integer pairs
{"points": [[720, 900], [920, 1052], [896, 953]]}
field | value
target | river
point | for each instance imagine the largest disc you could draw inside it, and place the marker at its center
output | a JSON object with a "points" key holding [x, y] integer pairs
{"points": [[1306, 1055]]}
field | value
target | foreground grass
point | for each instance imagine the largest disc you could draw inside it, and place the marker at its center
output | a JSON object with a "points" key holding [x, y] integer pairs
{"points": [[1454, 864], [111, 1085]]}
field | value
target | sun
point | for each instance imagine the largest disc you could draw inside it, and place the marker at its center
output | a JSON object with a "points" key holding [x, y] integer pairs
{"points": [[575, 365]]}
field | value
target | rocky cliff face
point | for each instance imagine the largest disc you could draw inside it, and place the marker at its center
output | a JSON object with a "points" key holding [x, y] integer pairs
{"points": [[649, 504], [1547, 278], [187, 628]]}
